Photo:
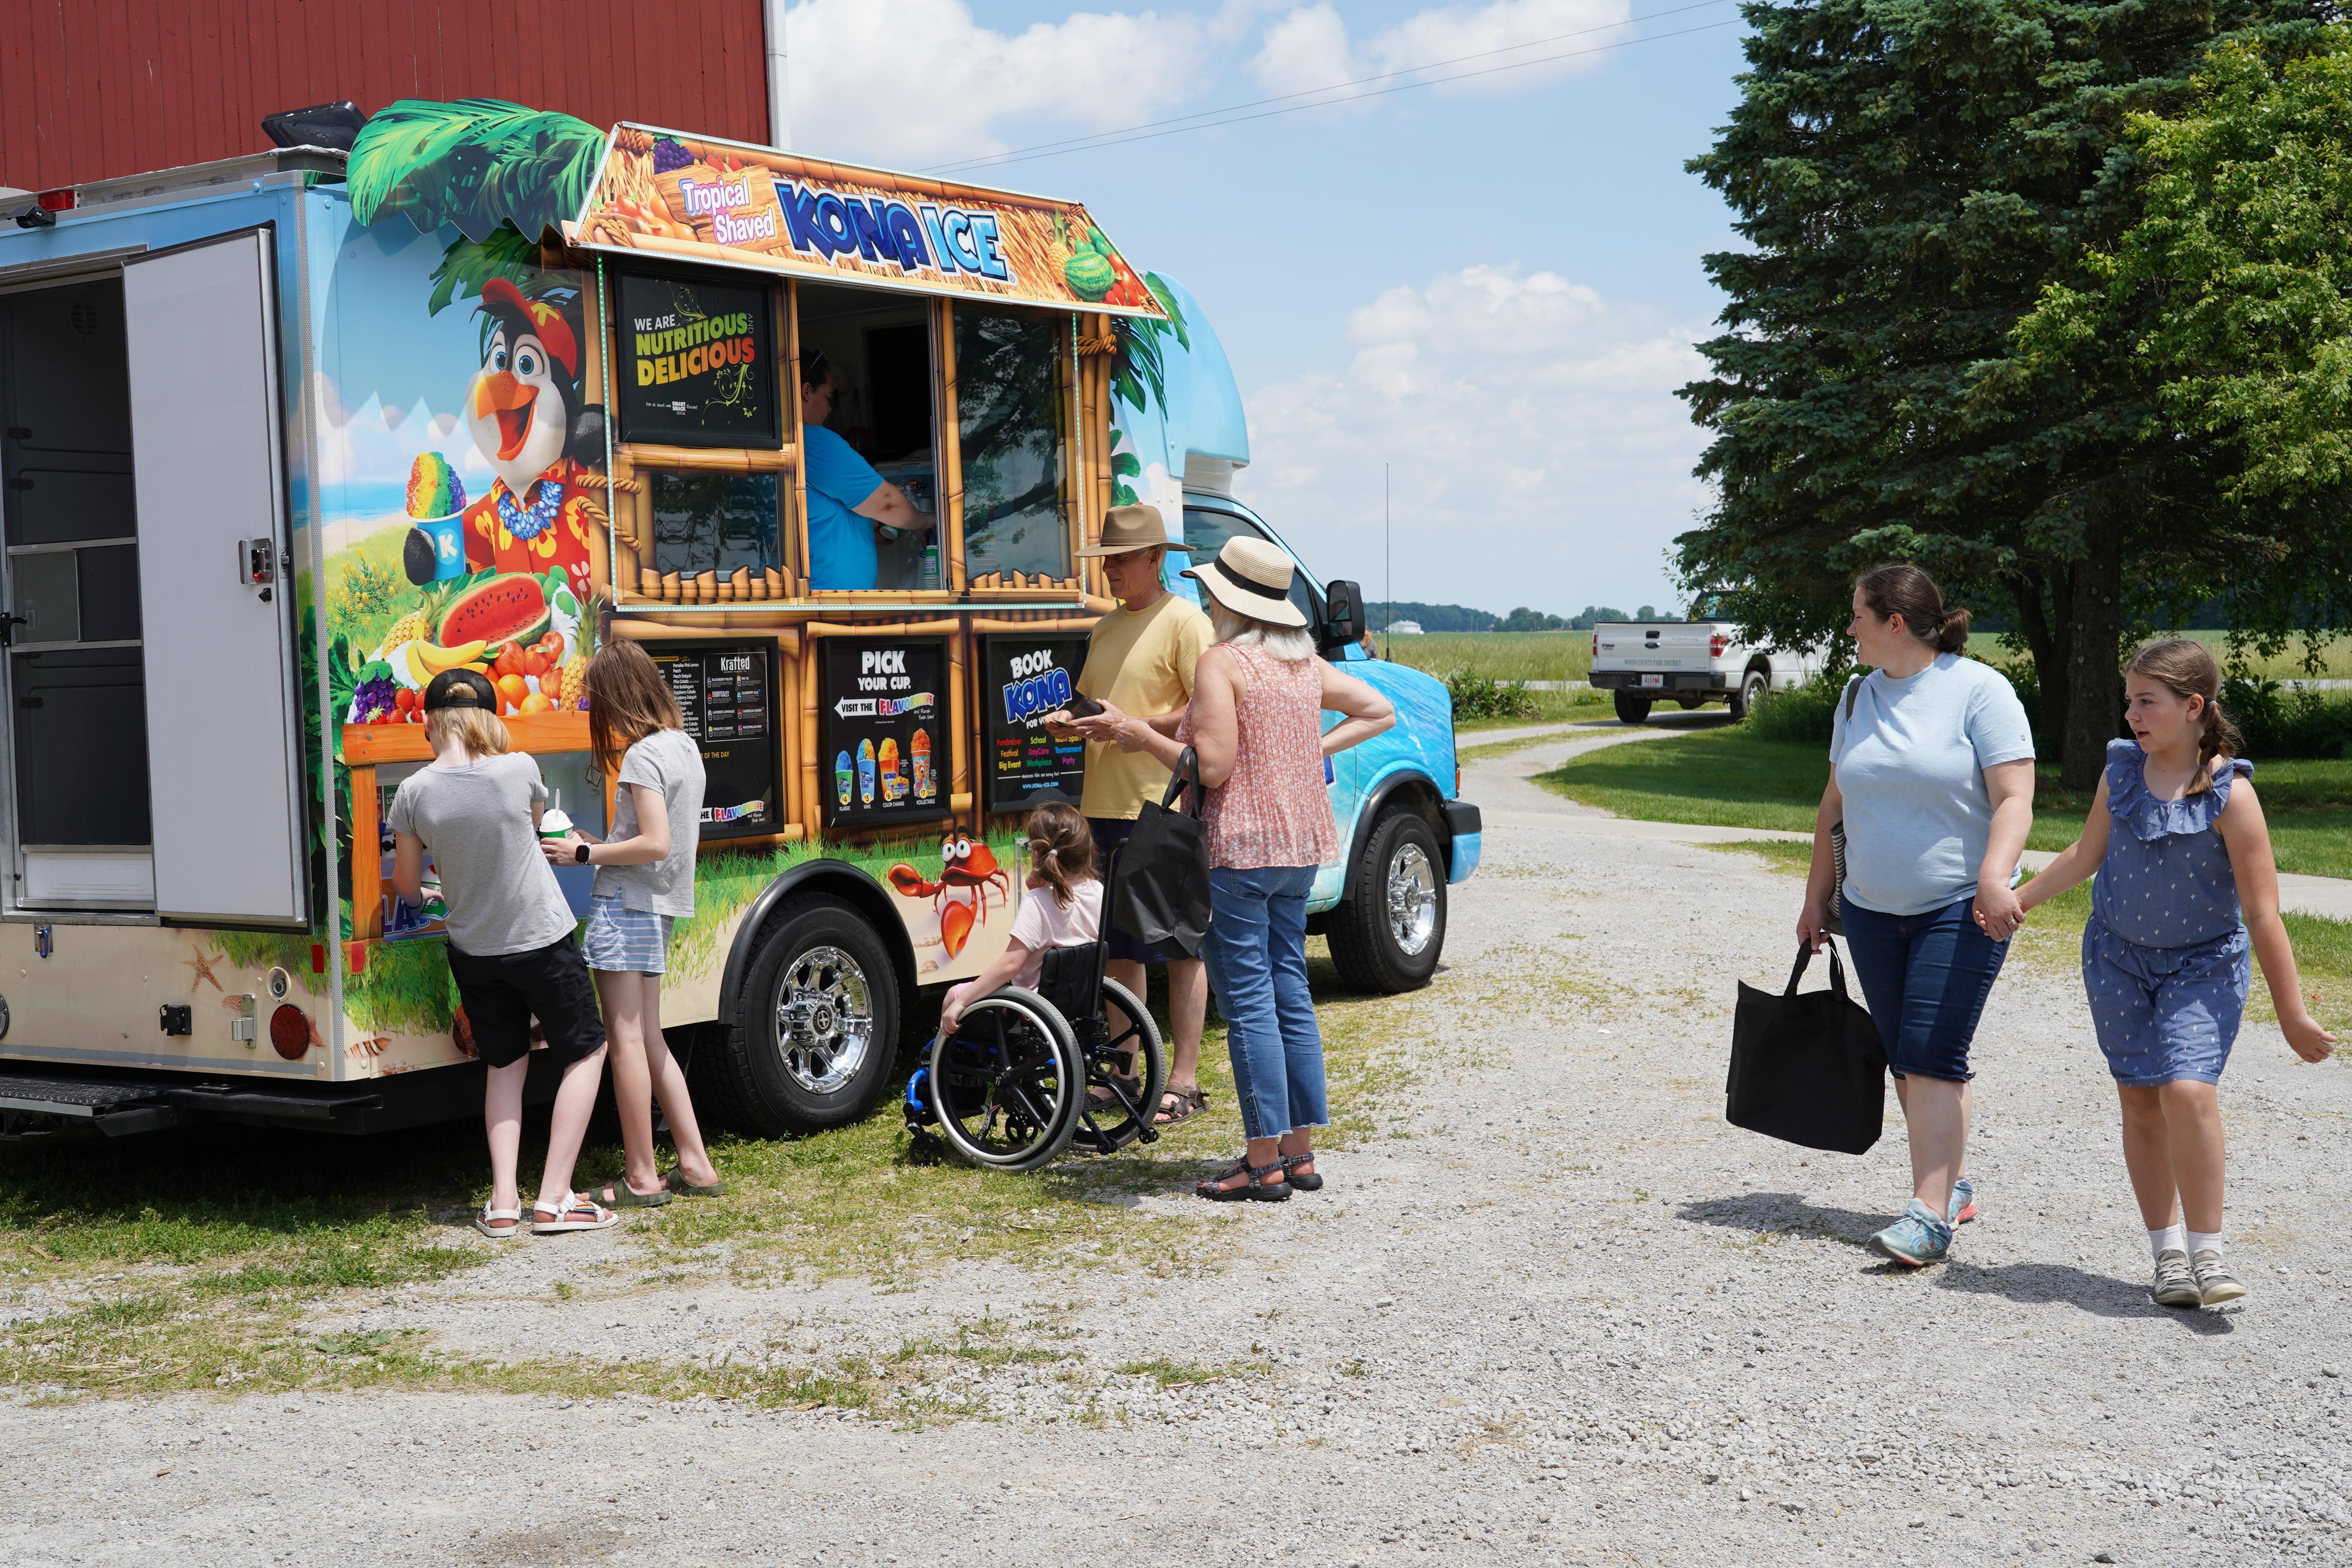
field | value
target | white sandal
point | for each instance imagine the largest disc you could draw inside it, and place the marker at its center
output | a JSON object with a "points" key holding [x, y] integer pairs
{"points": [[507, 1232], [599, 1217]]}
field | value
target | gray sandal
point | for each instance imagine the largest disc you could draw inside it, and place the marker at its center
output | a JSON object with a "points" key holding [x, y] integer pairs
{"points": [[621, 1196]]}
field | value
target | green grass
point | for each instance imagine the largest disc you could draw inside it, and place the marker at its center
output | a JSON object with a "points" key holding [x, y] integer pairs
{"points": [[1551, 707], [2051, 940], [1497, 655], [2336, 655], [184, 1257], [1731, 778]]}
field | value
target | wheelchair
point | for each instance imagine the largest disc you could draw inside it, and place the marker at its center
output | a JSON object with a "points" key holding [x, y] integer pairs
{"points": [[1028, 1074]]}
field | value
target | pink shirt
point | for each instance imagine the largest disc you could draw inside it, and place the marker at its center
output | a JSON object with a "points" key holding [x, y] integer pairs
{"points": [[1045, 921], [1273, 809]]}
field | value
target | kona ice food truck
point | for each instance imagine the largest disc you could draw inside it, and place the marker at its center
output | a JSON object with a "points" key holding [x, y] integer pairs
{"points": [[288, 435]]}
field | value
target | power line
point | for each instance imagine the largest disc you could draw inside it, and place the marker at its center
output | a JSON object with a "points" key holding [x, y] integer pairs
{"points": [[1215, 117]]}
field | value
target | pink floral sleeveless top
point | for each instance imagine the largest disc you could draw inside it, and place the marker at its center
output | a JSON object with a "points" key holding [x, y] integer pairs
{"points": [[1274, 809]]}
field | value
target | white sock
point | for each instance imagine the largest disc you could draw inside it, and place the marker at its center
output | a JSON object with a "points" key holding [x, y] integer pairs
{"points": [[2169, 1239], [2199, 1241]]}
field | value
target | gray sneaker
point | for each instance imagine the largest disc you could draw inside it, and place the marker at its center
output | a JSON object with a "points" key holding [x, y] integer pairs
{"points": [[2175, 1285], [2215, 1283]]}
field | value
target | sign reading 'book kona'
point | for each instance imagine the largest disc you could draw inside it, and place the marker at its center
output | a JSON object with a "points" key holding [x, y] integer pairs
{"points": [[738, 204]]}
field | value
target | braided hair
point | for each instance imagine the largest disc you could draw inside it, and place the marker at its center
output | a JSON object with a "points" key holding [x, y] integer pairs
{"points": [[2185, 667]]}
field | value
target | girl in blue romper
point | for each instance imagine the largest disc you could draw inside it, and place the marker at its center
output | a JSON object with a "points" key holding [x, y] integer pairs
{"points": [[2178, 840]]}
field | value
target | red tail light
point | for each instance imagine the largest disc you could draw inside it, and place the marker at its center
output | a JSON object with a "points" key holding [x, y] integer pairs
{"points": [[289, 1032], [1716, 645], [63, 201], [1596, 645]]}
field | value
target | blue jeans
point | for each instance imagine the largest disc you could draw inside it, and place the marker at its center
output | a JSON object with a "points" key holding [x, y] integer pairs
{"points": [[1256, 954], [1926, 978]]}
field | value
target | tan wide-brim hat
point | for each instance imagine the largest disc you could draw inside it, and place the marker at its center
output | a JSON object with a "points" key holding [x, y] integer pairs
{"points": [[1127, 528], [1250, 577]]}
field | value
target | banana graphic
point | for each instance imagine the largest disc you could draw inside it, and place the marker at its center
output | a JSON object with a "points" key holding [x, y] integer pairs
{"points": [[434, 660], [407, 654]]}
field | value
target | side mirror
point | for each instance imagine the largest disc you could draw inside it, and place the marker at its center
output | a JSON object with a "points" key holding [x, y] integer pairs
{"points": [[1343, 614]]}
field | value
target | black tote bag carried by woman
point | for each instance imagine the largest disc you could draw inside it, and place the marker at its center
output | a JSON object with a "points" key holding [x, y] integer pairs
{"points": [[1807, 1069], [1162, 894]]}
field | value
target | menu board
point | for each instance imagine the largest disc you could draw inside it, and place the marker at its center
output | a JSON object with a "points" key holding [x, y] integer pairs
{"points": [[883, 704], [726, 695], [697, 363], [1023, 679]]}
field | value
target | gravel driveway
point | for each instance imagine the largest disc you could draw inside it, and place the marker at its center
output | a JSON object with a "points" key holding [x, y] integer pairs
{"points": [[1556, 1313]]}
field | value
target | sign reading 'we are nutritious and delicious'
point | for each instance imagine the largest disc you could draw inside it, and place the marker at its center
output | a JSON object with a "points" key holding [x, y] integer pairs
{"points": [[738, 206]]}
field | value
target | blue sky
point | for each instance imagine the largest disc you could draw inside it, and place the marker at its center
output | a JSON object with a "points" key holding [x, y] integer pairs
{"points": [[1492, 286]]}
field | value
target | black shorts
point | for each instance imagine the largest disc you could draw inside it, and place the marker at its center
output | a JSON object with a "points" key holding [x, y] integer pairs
{"points": [[1110, 832], [502, 993]]}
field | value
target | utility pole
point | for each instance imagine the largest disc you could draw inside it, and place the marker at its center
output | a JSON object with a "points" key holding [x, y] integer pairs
{"points": [[780, 96]]}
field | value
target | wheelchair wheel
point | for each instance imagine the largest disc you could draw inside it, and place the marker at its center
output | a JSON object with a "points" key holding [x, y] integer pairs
{"points": [[1008, 1083], [1113, 1116]]}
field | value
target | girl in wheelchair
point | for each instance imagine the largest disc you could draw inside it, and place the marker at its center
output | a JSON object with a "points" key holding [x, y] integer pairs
{"points": [[1039, 1050], [1063, 908]]}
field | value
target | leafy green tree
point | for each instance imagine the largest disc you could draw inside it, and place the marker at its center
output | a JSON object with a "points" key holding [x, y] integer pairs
{"points": [[2232, 296], [1912, 174]]}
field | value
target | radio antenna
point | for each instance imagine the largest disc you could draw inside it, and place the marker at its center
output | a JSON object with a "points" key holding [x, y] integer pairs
{"points": [[1387, 569]]}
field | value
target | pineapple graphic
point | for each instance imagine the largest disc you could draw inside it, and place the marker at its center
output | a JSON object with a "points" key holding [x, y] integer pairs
{"points": [[407, 629]]}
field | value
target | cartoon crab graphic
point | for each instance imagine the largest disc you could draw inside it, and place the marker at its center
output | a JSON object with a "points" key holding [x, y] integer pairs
{"points": [[964, 866]]}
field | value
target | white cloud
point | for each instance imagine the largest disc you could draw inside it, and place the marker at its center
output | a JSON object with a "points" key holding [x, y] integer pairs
{"points": [[1538, 453], [908, 80], [1310, 47]]}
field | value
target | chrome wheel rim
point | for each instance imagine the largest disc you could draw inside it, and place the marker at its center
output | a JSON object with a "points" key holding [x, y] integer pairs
{"points": [[825, 1019], [1413, 898]]}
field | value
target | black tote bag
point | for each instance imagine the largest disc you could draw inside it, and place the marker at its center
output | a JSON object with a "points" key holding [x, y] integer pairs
{"points": [[1161, 896], [1807, 1069]]}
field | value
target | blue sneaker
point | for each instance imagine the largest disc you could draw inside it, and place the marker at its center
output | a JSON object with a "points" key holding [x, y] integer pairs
{"points": [[1919, 1238], [1964, 1201]]}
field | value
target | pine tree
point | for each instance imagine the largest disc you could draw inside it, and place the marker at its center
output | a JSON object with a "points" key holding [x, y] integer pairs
{"points": [[1913, 175]]}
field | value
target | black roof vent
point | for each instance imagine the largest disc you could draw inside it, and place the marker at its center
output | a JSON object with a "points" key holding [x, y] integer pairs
{"points": [[334, 126]]}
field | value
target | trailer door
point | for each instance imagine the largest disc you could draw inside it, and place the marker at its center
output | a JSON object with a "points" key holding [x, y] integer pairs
{"points": [[224, 739]]}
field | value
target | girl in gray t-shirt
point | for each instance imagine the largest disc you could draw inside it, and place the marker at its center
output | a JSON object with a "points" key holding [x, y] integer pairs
{"points": [[644, 879], [476, 810]]}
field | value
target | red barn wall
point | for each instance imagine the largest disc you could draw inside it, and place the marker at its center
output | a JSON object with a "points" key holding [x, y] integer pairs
{"points": [[95, 88]]}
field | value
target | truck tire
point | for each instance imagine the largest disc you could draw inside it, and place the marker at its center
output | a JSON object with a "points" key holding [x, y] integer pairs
{"points": [[1753, 687], [1632, 709], [815, 1034], [1387, 933]]}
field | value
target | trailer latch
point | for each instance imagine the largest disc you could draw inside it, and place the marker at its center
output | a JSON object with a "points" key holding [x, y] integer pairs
{"points": [[177, 1018]]}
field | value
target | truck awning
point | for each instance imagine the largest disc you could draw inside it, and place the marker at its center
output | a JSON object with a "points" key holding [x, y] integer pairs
{"points": [[729, 204]]}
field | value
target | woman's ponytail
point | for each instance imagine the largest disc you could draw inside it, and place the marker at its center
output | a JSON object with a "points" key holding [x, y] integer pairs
{"points": [[1902, 589], [2185, 667]]}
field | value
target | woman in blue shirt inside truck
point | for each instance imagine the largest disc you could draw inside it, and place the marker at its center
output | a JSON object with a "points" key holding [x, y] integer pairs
{"points": [[846, 499]]}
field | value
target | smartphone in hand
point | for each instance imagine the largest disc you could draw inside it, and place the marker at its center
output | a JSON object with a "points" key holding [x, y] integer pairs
{"points": [[1077, 708]]}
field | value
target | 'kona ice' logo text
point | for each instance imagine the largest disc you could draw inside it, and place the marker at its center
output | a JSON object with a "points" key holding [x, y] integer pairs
{"points": [[1037, 687], [948, 240]]}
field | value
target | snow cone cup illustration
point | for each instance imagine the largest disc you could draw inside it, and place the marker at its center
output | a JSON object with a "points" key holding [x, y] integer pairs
{"points": [[845, 777], [865, 773], [920, 753], [436, 548], [894, 785]]}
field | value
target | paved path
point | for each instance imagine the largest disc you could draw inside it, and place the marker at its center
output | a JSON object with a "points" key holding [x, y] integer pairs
{"points": [[1553, 1312], [2330, 897]]}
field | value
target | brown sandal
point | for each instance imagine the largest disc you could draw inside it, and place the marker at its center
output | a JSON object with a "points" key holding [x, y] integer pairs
{"points": [[1188, 1102]]}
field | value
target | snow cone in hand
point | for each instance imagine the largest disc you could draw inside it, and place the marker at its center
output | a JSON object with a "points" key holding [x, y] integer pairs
{"points": [[436, 548]]}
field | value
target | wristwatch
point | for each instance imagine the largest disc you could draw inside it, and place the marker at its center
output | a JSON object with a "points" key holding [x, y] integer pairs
{"points": [[580, 855]]}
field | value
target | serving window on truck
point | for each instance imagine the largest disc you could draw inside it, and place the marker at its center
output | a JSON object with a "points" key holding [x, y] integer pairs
{"points": [[152, 728]]}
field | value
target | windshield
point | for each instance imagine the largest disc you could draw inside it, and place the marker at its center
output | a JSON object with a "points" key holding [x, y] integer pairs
{"points": [[1207, 526]]}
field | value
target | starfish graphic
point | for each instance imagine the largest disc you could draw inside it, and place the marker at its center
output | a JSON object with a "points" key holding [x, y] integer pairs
{"points": [[204, 968]]}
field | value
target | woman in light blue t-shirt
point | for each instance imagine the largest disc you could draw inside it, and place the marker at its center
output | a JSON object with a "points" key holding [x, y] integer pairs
{"points": [[1931, 771]]}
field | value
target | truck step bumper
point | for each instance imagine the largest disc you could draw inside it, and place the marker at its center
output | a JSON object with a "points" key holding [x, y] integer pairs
{"points": [[118, 1107], [1464, 830]]}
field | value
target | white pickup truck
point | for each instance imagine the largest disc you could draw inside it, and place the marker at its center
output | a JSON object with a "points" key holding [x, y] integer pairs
{"points": [[1690, 664]]}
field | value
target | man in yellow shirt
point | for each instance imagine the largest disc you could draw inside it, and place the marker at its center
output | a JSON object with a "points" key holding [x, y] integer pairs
{"points": [[1139, 659]]}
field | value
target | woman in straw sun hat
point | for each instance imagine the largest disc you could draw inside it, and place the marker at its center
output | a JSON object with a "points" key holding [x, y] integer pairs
{"points": [[1254, 720]]}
